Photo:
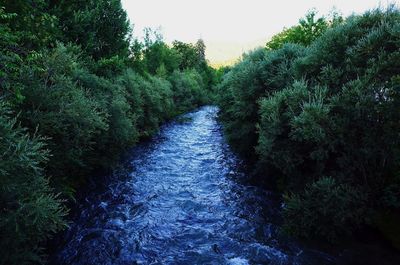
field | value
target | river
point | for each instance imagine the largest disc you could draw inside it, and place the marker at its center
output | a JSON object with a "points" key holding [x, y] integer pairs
{"points": [[183, 199]]}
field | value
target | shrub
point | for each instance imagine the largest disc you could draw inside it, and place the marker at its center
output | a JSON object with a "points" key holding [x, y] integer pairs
{"points": [[30, 211], [276, 147], [330, 109], [325, 210], [240, 90], [188, 89], [258, 75], [62, 112], [363, 46], [120, 115], [151, 100]]}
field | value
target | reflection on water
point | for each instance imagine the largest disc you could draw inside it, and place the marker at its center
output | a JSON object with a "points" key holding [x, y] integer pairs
{"points": [[183, 202]]}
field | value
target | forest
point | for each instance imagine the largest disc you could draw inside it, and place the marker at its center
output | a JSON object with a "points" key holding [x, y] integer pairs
{"points": [[315, 112]]}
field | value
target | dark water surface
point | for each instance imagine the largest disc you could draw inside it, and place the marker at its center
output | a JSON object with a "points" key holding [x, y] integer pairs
{"points": [[183, 201]]}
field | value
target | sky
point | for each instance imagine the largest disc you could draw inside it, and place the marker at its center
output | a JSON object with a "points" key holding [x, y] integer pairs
{"points": [[231, 27]]}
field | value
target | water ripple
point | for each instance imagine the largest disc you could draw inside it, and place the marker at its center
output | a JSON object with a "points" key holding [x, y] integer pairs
{"points": [[182, 203]]}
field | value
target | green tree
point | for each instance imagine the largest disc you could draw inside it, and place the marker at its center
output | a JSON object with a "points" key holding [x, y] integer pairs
{"points": [[308, 30], [159, 54], [100, 27], [10, 59], [201, 50], [188, 54], [35, 26]]}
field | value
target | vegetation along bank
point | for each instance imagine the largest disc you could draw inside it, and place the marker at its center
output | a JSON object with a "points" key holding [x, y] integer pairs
{"points": [[76, 90], [318, 110]]}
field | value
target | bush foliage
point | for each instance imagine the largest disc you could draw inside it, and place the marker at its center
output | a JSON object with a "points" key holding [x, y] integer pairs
{"points": [[324, 107], [30, 211], [76, 90]]}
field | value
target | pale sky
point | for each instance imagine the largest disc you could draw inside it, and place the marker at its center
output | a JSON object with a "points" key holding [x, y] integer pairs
{"points": [[230, 27]]}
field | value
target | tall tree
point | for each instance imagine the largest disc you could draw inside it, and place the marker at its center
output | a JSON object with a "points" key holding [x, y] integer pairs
{"points": [[157, 54], [100, 27], [188, 53], [309, 28], [201, 49], [36, 27]]}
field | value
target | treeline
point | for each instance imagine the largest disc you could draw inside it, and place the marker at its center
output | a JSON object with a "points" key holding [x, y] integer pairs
{"points": [[319, 110], [76, 89]]}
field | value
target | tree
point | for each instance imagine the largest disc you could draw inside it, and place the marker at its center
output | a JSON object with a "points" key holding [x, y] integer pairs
{"points": [[100, 27], [201, 50], [308, 29], [35, 26], [157, 53], [188, 53], [10, 59]]}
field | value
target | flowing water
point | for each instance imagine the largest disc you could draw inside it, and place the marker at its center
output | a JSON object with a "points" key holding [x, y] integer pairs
{"points": [[184, 201]]}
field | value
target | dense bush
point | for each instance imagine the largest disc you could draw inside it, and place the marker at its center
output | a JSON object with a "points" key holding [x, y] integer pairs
{"points": [[239, 91], [60, 110], [340, 207], [158, 104], [188, 88], [329, 109], [119, 116], [276, 146], [259, 74], [30, 211]]}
